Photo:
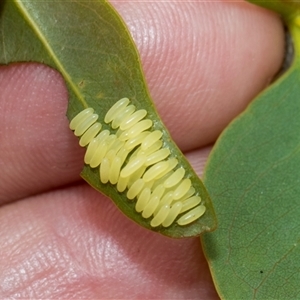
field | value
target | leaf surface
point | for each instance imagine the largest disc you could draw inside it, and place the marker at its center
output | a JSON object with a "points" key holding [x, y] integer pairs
{"points": [[88, 43], [253, 176]]}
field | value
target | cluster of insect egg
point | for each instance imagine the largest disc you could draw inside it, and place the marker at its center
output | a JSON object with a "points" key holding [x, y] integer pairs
{"points": [[133, 159]]}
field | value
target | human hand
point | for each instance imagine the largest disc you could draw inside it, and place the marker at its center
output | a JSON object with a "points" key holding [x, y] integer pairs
{"points": [[204, 62]]}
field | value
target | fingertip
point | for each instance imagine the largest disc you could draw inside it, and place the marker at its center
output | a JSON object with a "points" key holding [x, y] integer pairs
{"points": [[204, 61]]}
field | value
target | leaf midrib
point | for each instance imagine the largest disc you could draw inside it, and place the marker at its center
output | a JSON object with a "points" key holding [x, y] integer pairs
{"points": [[49, 49]]}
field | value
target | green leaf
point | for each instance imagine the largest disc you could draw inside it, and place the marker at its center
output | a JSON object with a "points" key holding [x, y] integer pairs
{"points": [[253, 177], [87, 42]]}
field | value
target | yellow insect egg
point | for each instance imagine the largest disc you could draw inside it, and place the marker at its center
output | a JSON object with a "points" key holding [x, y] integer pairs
{"points": [[91, 133], [161, 216], [94, 144], [133, 166], [135, 188], [189, 194], [156, 146], [150, 207], [131, 120], [143, 199], [114, 171], [157, 156], [78, 119], [155, 170], [175, 178], [136, 175], [173, 214], [182, 189], [104, 170], [123, 153], [85, 124], [159, 191], [90, 151], [132, 143], [118, 119], [165, 200], [110, 154], [135, 130], [99, 155], [162, 178], [115, 109], [171, 164], [122, 183], [151, 139], [190, 203], [191, 215], [116, 146]]}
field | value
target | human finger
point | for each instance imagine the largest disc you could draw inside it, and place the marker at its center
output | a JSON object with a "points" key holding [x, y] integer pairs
{"points": [[38, 152], [73, 243]]}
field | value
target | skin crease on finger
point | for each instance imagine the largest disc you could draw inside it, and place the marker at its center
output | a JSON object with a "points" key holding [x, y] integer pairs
{"points": [[73, 242]]}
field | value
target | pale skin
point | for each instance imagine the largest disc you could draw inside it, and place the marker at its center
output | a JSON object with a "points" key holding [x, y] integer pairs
{"points": [[204, 62]]}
